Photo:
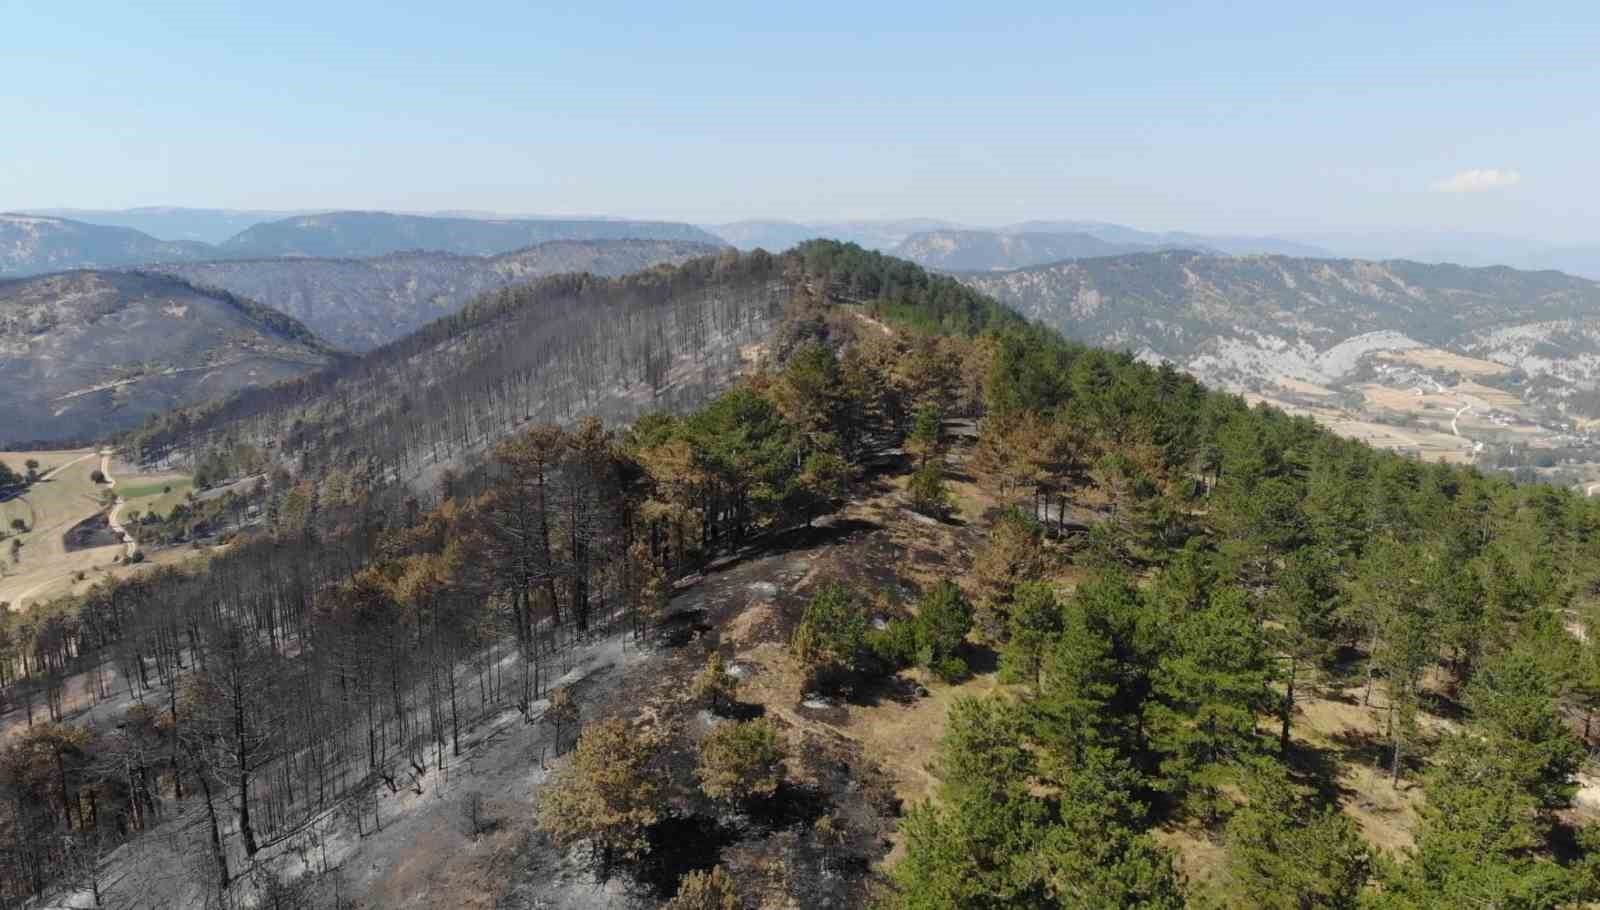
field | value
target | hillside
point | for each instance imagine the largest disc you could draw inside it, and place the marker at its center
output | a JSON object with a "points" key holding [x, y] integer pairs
{"points": [[1463, 361], [953, 250], [360, 304], [561, 346], [34, 244], [933, 609], [347, 234], [85, 354]]}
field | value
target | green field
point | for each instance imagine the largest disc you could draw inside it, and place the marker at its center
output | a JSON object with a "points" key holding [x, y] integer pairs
{"points": [[156, 497]]}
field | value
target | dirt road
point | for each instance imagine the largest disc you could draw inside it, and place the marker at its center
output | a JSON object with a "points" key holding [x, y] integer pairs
{"points": [[114, 519]]}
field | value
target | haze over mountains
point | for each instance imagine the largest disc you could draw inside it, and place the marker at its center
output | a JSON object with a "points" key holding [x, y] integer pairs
{"points": [[256, 233], [86, 354], [31, 244], [965, 247], [379, 233], [37, 244]]}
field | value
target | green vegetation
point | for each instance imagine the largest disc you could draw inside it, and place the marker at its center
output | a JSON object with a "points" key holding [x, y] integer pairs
{"points": [[831, 638], [157, 499], [931, 638]]}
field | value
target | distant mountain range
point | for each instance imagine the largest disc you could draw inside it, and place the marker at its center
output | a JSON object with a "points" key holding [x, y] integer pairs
{"points": [[38, 244], [946, 245], [168, 222], [360, 304], [896, 237], [952, 250], [349, 234], [346, 234], [87, 353]]}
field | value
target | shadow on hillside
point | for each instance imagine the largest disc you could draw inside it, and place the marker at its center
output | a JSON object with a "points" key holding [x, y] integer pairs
{"points": [[678, 629], [870, 692], [680, 844], [1318, 769], [793, 804], [803, 537]]}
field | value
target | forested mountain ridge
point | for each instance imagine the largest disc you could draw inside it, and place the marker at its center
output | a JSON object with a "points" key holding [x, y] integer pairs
{"points": [[34, 244], [1175, 650], [360, 304], [349, 234], [90, 353], [553, 349]]}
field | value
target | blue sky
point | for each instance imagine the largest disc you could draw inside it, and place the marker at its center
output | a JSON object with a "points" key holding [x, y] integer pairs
{"points": [[1244, 117]]}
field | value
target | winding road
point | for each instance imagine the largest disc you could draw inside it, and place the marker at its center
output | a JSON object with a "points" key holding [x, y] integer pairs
{"points": [[116, 509]]}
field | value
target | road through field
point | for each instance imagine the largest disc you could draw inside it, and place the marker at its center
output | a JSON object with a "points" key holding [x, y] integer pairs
{"points": [[114, 519]]}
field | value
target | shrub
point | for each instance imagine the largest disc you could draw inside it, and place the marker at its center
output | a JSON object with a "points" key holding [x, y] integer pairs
{"points": [[705, 891], [741, 762], [714, 686], [931, 638], [606, 796], [944, 617], [895, 645], [927, 491], [831, 636]]}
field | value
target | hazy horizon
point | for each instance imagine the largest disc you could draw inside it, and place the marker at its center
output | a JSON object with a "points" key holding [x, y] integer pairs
{"points": [[1262, 119]]}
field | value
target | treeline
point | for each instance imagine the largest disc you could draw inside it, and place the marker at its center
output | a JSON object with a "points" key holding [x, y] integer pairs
{"points": [[1242, 558]]}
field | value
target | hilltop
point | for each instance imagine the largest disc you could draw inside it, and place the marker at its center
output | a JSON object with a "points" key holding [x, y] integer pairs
{"points": [[32, 244], [346, 234], [88, 353], [360, 304]]}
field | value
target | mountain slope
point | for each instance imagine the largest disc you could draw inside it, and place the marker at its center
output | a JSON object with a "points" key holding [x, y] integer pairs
{"points": [[1250, 320], [360, 304], [564, 345], [84, 354], [347, 234], [35, 244], [953, 250]]}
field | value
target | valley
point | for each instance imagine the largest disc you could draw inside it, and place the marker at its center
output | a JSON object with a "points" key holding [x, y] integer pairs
{"points": [[87, 354]]}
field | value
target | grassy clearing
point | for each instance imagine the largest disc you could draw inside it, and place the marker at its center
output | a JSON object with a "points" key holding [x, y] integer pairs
{"points": [[156, 497]]}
